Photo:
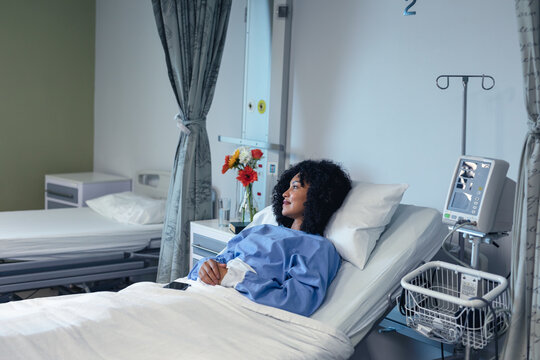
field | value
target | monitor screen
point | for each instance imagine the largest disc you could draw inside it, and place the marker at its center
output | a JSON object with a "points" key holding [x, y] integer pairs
{"points": [[469, 187]]}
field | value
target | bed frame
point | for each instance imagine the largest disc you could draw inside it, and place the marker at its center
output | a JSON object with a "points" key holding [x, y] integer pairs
{"points": [[28, 275]]}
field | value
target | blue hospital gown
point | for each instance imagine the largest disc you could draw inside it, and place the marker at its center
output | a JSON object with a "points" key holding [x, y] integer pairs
{"points": [[293, 269]]}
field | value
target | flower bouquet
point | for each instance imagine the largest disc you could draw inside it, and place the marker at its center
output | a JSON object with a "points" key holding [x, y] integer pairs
{"points": [[245, 161]]}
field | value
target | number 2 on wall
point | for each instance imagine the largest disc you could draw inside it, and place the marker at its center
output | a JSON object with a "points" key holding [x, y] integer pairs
{"points": [[407, 12]]}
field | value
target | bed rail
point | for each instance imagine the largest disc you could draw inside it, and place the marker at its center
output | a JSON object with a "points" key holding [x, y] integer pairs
{"points": [[21, 275]]}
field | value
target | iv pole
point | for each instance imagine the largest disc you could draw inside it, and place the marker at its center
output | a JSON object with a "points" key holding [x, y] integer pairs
{"points": [[474, 238], [485, 86]]}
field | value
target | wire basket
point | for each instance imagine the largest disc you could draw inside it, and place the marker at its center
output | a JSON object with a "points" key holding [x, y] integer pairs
{"points": [[436, 303]]}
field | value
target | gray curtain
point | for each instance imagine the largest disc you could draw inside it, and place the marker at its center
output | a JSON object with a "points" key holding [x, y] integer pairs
{"points": [[523, 339], [193, 35]]}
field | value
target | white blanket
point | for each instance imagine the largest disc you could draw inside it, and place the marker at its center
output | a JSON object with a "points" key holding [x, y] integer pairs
{"points": [[146, 321]]}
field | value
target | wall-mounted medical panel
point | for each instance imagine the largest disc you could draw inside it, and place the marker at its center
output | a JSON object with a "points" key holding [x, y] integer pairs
{"points": [[279, 91], [266, 79], [257, 84]]}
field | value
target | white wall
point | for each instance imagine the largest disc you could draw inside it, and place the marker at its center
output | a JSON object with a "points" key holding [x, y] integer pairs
{"points": [[134, 102], [363, 88], [134, 105], [362, 91]]}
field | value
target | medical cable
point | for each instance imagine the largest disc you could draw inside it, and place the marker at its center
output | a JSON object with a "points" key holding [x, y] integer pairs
{"points": [[455, 228]]}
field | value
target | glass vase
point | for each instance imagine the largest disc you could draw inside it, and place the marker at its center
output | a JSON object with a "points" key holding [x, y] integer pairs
{"points": [[248, 207]]}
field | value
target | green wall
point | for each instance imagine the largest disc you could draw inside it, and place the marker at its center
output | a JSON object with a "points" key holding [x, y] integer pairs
{"points": [[46, 95]]}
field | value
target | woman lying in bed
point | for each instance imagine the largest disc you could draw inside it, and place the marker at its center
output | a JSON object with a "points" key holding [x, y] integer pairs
{"points": [[289, 266]]}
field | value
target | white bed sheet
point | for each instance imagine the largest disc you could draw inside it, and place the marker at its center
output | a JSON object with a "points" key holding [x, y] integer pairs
{"points": [[44, 233], [357, 298], [146, 321]]}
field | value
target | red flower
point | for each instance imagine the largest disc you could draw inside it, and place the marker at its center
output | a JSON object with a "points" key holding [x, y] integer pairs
{"points": [[256, 154], [226, 165], [247, 176]]}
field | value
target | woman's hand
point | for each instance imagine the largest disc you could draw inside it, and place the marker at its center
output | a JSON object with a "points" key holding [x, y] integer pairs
{"points": [[222, 271], [212, 272]]}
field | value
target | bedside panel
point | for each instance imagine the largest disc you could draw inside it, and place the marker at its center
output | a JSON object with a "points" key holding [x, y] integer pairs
{"points": [[207, 239], [57, 205], [206, 246], [63, 193], [76, 188]]}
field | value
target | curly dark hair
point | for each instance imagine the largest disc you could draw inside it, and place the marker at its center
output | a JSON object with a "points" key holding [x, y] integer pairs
{"points": [[328, 184]]}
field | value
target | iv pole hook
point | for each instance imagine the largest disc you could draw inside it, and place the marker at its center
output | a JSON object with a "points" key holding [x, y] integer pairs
{"points": [[465, 81]]}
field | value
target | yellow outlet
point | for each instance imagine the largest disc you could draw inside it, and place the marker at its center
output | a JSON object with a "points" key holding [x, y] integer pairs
{"points": [[261, 106]]}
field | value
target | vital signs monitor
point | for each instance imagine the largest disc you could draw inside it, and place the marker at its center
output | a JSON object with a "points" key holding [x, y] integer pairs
{"points": [[481, 195]]}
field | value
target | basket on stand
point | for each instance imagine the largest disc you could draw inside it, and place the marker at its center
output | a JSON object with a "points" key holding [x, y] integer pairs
{"points": [[437, 303]]}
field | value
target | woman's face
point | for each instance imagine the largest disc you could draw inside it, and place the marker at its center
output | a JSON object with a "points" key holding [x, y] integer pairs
{"points": [[294, 199]]}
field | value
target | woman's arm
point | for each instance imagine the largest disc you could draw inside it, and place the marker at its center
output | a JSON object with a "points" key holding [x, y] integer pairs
{"points": [[303, 289], [211, 270]]}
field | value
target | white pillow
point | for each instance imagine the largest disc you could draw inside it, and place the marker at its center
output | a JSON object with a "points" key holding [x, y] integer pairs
{"points": [[355, 227], [265, 216], [128, 207]]}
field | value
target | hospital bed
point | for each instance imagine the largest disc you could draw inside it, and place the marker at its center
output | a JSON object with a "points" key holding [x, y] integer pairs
{"points": [[147, 321], [60, 247]]}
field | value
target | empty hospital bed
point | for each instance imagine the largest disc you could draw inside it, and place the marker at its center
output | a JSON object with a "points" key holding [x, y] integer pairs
{"points": [[48, 248], [147, 321]]}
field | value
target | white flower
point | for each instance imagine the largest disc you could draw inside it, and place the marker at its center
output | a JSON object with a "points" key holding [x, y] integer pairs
{"points": [[245, 155]]}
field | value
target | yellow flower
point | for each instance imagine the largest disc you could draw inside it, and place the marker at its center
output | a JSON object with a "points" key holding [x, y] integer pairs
{"points": [[234, 158]]}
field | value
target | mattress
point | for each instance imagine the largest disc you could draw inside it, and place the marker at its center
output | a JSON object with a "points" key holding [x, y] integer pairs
{"points": [[358, 298], [32, 234]]}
